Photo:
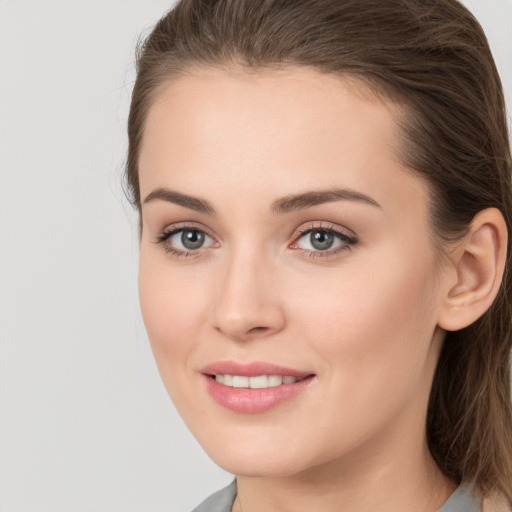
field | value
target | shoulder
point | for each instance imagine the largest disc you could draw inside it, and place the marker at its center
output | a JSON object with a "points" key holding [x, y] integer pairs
{"points": [[496, 503], [221, 501]]}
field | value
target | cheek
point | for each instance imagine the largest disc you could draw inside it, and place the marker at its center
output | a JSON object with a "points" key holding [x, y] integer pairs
{"points": [[374, 325], [371, 335], [171, 308]]}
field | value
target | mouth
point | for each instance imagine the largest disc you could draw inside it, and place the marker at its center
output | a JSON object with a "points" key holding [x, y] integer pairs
{"points": [[255, 387], [256, 382]]}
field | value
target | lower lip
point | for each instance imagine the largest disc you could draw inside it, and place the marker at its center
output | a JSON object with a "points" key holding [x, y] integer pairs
{"points": [[253, 401]]}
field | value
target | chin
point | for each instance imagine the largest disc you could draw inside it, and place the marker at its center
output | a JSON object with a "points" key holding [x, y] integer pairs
{"points": [[241, 465], [257, 459]]}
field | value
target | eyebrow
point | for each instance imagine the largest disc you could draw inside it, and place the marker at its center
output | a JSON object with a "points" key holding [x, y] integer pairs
{"points": [[193, 203], [284, 205], [314, 198]]}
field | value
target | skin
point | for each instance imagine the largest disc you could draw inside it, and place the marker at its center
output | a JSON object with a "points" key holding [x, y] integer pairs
{"points": [[363, 320]]}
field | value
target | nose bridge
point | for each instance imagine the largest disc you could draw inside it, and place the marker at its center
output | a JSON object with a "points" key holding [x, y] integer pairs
{"points": [[247, 303]]}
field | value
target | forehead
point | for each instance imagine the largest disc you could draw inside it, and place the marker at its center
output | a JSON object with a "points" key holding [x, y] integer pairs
{"points": [[275, 98], [291, 128]]}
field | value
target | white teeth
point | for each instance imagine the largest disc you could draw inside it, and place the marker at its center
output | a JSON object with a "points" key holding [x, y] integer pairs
{"points": [[240, 382], [275, 380], [258, 382]]}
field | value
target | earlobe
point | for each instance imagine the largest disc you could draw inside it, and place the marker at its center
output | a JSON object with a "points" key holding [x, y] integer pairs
{"points": [[479, 262]]}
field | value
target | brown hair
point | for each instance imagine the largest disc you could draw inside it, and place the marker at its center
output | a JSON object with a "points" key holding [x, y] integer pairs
{"points": [[433, 58]]}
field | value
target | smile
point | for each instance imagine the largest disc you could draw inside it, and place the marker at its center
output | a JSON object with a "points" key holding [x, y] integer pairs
{"points": [[253, 388], [257, 382]]}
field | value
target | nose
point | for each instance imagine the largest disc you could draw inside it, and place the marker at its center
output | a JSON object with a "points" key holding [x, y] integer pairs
{"points": [[248, 302]]}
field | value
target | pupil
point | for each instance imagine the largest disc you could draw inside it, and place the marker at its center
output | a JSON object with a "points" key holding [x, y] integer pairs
{"points": [[321, 240], [192, 239]]}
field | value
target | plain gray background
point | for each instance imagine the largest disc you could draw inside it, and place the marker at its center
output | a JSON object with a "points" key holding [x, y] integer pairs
{"points": [[85, 423]]}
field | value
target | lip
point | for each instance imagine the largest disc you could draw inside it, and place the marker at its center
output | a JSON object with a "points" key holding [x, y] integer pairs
{"points": [[253, 401], [252, 369]]}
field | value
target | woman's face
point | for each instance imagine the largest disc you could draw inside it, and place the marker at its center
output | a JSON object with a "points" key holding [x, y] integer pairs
{"points": [[282, 240]]}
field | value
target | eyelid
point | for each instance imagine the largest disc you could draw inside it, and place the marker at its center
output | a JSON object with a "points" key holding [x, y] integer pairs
{"points": [[324, 226], [172, 229], [180, 226], [345, 235]]}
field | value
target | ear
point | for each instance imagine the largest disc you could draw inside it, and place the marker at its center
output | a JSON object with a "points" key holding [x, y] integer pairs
{"points": [[479, 263]]}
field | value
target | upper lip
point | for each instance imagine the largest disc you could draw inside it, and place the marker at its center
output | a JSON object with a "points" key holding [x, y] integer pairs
{"points": [[252, 369]]}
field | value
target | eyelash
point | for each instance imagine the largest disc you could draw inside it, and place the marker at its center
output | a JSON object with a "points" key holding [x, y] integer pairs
{"points": [[169, 232], [348, 241]]}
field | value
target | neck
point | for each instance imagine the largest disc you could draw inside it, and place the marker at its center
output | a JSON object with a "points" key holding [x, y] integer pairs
{"points": [[385, 481], [391, 471]]}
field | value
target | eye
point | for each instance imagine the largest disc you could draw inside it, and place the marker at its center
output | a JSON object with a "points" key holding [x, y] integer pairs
{"points": [[184, 241], [189, 239], [324, 240]]}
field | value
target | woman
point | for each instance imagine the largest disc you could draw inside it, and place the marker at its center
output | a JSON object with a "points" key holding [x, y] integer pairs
{"points": [[325, 201]]}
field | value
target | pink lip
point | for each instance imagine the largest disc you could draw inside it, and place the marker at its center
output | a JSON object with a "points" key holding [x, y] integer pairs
{"points": [[253, 401]]}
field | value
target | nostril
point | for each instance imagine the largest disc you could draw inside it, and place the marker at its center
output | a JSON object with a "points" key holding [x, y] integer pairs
{"points": [[258, 329], [246, 324]]}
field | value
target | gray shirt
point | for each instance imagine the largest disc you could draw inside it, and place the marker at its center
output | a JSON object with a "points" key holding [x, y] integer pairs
{"points": [[462, 500]]}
